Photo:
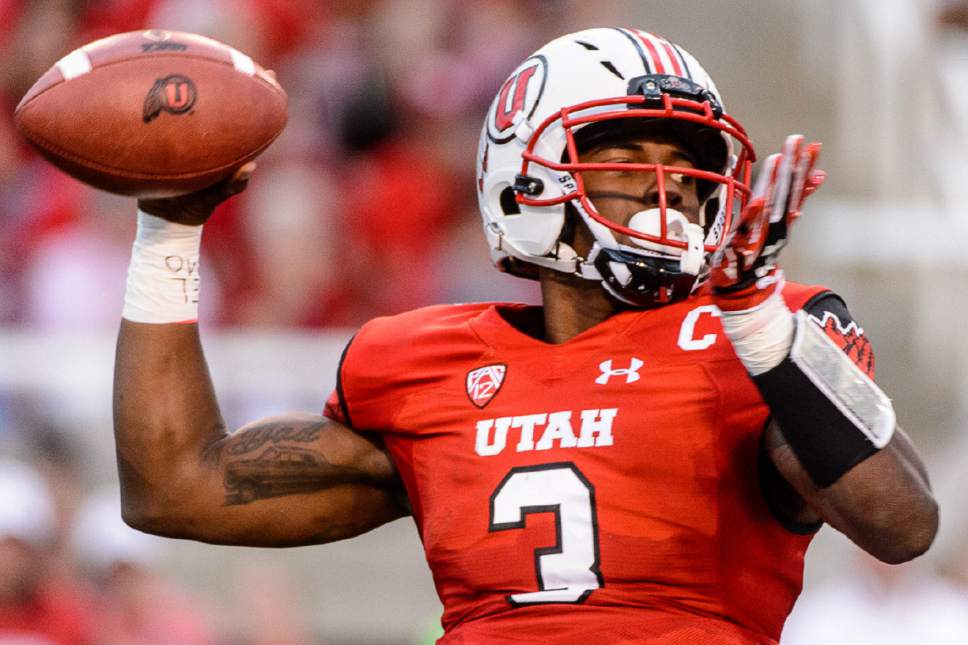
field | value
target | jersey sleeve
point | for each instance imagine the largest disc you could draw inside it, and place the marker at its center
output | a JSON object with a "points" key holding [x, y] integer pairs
{"points": [[336, 407], [394, 359], [367, 393], [830, 312]]}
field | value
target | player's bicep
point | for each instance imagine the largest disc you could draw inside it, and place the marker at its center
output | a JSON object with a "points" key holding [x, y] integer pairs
{"points": [[296, 479]]}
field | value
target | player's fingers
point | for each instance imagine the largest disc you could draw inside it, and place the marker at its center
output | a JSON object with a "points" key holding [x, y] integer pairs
{"points": [[792, 145], [751, 232], [807, 179], [766, 177], [752, 212], [801, 174], [232, 185], [816, 180], [211, 197], [774, 171], [195, 208], [779, 204], [723, 269], [240, 180], [245, 171], [814, 177], [812, 153]]}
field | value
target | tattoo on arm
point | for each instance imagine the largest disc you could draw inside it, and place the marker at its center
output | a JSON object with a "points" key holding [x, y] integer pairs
{"points": [[250, 440], [275, 459]]}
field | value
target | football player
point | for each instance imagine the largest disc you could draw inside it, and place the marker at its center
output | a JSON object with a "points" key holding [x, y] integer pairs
{"points": [[643, 458]]}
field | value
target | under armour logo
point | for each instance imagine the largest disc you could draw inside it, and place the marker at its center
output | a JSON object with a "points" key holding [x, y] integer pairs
{"points": [[631, 373]]}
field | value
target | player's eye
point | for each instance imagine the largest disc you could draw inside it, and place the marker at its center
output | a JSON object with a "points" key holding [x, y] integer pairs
{"points": [[682, 179]]}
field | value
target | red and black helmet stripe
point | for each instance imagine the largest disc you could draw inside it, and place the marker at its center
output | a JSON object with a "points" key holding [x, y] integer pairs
{"points": [[651, 49], [638, 48], [685, 65]]}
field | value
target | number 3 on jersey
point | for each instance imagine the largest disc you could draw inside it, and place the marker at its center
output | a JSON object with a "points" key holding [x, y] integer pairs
{"points": [[568, 570]]}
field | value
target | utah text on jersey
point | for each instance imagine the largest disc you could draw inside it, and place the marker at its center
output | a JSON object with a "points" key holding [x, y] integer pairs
{"points": [[555, 428]]}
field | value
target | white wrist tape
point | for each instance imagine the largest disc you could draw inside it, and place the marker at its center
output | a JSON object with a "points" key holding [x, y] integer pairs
{"points": [[163, 278], [761, 336]]}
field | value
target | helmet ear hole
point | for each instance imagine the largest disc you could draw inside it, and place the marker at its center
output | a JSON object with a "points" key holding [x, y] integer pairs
{"points": [[509, 205]]}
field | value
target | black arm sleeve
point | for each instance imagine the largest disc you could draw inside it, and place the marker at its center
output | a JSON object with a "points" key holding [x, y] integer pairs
{"points": [[830, 312]]}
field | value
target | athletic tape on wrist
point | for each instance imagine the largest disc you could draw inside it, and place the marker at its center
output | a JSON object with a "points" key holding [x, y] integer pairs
{"points": [[830, 412], [163, 277], [762, 336]]}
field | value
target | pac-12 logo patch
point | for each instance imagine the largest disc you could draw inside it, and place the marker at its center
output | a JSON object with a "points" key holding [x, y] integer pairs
{"points": [[484, 382], [519, 94], [174, 94]]}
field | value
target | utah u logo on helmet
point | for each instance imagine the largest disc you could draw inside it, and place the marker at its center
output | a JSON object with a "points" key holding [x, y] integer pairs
{"points": [[520, 94]]}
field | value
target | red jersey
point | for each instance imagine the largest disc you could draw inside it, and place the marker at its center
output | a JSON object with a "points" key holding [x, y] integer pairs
{"points": [[602, 490]]}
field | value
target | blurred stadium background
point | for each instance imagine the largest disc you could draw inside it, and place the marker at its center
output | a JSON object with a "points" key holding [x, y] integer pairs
{"points": [[365, 206]]}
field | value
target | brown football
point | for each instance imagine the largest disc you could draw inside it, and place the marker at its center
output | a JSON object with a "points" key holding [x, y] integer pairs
{"points": [[153, 113]]}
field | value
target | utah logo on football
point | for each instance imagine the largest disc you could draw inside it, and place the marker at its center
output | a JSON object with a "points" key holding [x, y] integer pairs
{"points": [[485, 382], [174, 94]]}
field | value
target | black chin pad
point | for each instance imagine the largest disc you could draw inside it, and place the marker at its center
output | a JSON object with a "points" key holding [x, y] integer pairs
{"points": [[655, 281]]}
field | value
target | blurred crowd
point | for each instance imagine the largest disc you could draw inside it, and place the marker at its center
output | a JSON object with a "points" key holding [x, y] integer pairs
{"points": [[72, 573], [364, 206]]}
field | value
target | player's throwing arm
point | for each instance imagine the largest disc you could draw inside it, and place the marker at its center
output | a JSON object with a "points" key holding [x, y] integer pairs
{"points": [[288, 480], [175, 119]]}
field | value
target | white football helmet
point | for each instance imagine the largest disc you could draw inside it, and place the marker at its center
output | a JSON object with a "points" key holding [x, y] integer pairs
{"points": [[528, 166]]}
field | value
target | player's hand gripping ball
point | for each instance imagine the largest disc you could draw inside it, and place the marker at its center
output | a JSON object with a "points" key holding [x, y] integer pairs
{"points": [[744, 272], [153, 113]]}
